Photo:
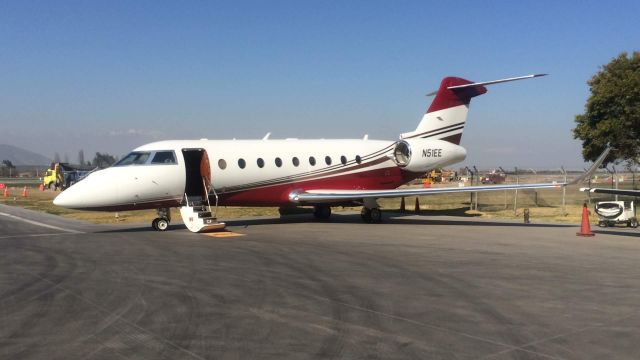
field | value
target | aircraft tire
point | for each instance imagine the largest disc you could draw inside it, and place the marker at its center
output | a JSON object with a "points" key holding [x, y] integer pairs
{"points": [[162, 224], [154, 224], [376, 216], [322, 212], [366, 215]]}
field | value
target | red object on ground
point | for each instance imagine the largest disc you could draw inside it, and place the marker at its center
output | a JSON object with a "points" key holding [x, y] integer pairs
{"points": [[426, 184], [25, 193], [417, 208], [585, 228], [3, 186]]}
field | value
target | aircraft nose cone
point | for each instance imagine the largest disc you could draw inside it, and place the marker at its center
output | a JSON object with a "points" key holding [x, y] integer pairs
{"points": [[97, 190], [69, 198]]}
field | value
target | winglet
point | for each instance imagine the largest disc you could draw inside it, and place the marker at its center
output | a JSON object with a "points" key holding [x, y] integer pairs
{"points": [[589, 173]]}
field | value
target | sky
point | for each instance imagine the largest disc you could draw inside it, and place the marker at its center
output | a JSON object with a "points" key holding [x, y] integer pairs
{"points": [[108, 76]]}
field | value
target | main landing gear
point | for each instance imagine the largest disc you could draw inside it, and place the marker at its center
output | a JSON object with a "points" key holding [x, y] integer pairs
{"points": [[322, 212], [371, 215], [371, 212], [161, 223]]}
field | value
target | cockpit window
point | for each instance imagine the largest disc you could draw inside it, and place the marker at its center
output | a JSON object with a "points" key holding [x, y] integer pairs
{"points": [[134, 158], [164, 157]]}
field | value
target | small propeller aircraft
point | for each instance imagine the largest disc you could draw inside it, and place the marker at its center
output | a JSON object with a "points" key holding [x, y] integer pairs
{"points": [[191, 174]]}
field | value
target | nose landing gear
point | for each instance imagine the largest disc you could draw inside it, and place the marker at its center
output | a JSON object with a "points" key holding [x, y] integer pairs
{"points": [[161, 223]]}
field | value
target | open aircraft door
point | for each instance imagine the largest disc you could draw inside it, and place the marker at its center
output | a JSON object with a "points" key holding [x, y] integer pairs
{"points": [[197, 173]]}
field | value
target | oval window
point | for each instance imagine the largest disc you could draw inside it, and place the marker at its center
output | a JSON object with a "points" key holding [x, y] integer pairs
{"points": [[222, 164], [260, 163], [358, 159], [295, 161], [343, 160], [242, 163], [278, 162], [327, 159], [312, 161]]}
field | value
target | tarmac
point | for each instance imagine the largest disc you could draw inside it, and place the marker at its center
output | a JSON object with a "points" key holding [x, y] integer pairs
{"points": [[414, 287]]}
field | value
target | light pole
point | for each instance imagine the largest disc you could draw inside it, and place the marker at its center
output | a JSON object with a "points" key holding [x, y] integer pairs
{"points": [[515, 198], [535, 192], [475, 170], [471, 194], [505, 180], [564, 191]]}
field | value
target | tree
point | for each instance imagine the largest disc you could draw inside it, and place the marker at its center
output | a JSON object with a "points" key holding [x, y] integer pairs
{"points": [[103, 160], [7, 164], [81, 157], [612, 112]]}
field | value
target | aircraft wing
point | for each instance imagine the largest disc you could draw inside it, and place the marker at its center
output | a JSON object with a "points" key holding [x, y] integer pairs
{"points": [[322, 195], [328, 195], [613, 191]]}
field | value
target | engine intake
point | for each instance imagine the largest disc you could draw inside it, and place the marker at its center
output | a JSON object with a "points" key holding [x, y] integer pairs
{"points": [[422, 155]]}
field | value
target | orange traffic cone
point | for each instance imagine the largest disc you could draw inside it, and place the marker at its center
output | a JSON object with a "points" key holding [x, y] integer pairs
{"points": [[585, 228], [417, 208], [402, 209], [24, 192]]}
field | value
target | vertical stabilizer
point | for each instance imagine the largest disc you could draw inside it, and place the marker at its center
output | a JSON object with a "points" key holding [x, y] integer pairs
{"points": [[447, 114]]}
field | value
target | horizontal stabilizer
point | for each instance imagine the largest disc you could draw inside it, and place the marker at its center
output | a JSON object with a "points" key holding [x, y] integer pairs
{"points": [[489, 82]]}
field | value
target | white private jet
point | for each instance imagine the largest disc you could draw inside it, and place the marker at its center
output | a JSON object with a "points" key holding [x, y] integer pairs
{"points": [[191, 174]]}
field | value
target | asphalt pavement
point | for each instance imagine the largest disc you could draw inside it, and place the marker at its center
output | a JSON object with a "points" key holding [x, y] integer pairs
{"points": [[411, 288]]}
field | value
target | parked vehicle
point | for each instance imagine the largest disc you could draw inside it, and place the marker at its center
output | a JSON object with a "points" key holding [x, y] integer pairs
{"points": [[62, 175], [611, 213]]}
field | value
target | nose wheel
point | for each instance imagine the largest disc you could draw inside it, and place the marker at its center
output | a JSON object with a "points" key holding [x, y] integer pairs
{"points": [[161, 223]]}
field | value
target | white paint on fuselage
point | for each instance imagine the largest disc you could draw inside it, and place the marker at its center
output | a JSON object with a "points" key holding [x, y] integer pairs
{"points": [[231, 151], [132, 185]]}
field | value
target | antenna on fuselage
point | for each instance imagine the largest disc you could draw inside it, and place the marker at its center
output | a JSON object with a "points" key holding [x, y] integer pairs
{"points": [[266, 137]]}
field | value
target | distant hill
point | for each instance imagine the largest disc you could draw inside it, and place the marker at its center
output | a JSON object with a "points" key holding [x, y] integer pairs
{"points": [[19, 156]]}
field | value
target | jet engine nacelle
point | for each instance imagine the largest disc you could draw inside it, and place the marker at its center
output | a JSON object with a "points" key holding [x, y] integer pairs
{"points": [[422, 155]]}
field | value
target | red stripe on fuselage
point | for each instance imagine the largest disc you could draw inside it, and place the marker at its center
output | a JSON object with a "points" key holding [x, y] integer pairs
{"points": [[277, 195]]}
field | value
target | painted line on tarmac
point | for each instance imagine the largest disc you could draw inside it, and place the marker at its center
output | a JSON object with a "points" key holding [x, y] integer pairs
{"points": [[224, 234], [30, 235], [40, 224]]}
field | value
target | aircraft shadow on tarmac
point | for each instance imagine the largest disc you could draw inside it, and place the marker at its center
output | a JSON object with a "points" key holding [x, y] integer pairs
{"points": [[449, 217], [619, 232]]}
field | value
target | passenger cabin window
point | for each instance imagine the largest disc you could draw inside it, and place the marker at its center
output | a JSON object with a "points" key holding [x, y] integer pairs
{"points": [[358, 159], [134, 158], [295, 161], [278, 162], [242, 163], [164, 157], [327, 159], [222, 164], [343, 160], [260, 163], [312, 161]]}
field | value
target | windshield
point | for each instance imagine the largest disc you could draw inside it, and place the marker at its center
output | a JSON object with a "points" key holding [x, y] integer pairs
{"points": [[134, 158]]}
